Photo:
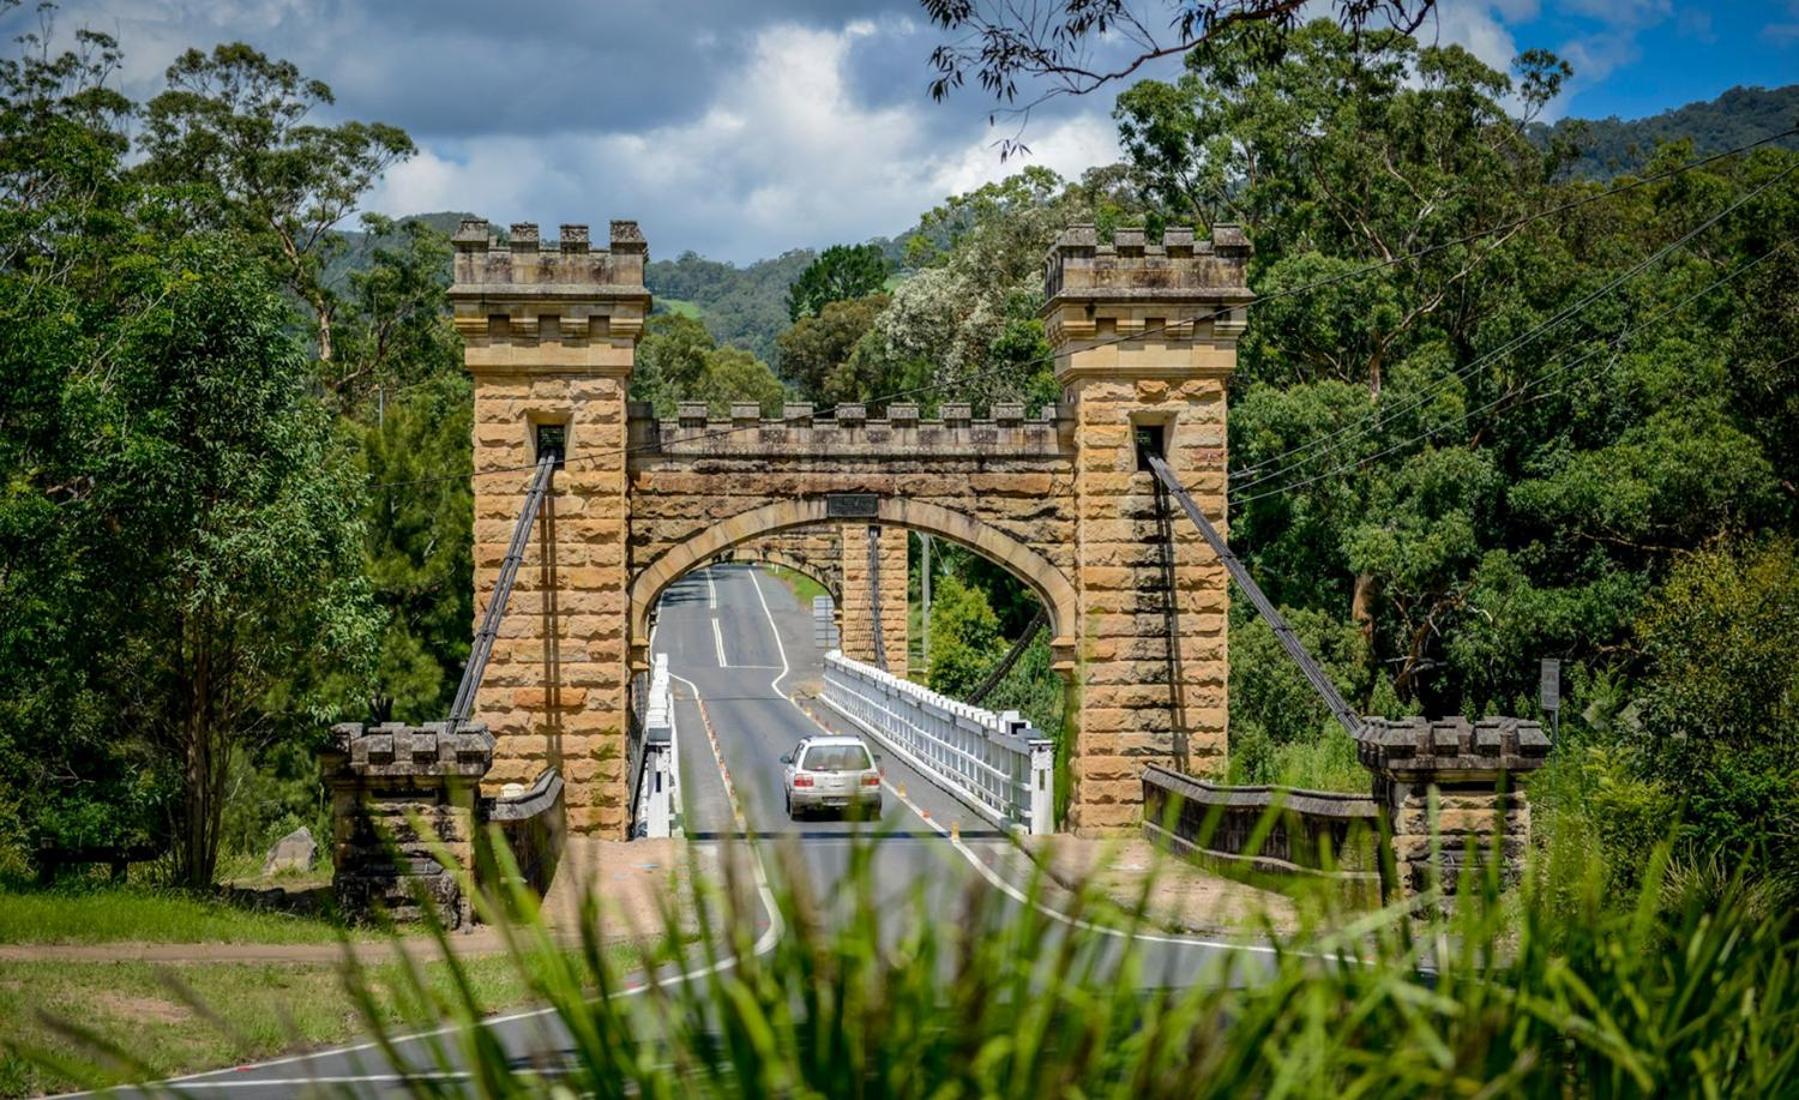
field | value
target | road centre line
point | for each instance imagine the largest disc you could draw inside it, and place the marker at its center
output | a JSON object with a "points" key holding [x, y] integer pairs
{"points": [[718, 645]]}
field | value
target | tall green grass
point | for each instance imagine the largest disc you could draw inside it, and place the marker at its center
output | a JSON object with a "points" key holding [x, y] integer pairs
{"points": [[98, 912], [1495, 995]]}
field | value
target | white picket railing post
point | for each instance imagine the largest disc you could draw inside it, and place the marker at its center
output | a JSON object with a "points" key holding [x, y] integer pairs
{"points": [[996, 763], [658, 777]]}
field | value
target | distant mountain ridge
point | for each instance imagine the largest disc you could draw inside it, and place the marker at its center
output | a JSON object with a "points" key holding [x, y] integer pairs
{"points": [[747, 306], [1613, 146]]}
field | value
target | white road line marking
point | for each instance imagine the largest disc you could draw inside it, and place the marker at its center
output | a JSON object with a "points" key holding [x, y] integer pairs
{"points": [[711, 590], [718, 644], [764, 944], [776, 631], [980, 865]]}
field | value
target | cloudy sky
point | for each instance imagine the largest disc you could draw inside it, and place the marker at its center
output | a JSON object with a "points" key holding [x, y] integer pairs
{"points": [[740, 128]]}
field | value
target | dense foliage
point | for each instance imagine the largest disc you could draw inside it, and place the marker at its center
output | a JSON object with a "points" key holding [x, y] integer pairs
{"points": [[194, 576], [744, 306], [1484, 414], [840, 273]]}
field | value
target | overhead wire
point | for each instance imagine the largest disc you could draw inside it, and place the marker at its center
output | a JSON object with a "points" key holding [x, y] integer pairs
{"points": [[1613, 344]]}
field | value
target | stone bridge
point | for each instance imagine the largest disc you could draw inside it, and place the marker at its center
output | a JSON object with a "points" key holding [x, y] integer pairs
{"points": [[1144, 338]]}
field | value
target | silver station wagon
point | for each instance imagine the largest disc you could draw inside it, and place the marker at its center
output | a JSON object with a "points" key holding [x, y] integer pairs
{"points": [[832, 773]]}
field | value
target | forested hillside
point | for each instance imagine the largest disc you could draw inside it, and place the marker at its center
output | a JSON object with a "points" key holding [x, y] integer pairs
{"points": [[741, 306], [1610, 146]]}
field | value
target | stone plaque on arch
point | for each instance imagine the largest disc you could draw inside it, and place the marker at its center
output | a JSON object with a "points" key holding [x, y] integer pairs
{"points": [[852, 506]]}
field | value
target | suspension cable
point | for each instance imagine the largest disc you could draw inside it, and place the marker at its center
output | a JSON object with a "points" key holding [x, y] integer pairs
{"points": [[482, 648], [1283, 633]]}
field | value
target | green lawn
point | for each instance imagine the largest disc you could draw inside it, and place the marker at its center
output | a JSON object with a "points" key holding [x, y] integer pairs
{"points": [[804, 588], [102, 914], [249, 1011]]}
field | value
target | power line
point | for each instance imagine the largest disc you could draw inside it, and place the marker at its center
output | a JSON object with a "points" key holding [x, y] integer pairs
{"points": [[1374, 420], [1306, 288], [1613, 344]]}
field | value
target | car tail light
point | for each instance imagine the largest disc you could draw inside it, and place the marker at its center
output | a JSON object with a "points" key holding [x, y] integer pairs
{"points": [[802, 781], [871, 780]]}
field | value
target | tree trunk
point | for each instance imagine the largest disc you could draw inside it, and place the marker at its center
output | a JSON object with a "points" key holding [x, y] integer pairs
{"points": [[324, 330], [197, 845], [1361, 607]]}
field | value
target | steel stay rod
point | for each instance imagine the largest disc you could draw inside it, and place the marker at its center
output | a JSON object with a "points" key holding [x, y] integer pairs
{"points": [[874, 595], [1283, 633], [1036, 625], [482, 648]]}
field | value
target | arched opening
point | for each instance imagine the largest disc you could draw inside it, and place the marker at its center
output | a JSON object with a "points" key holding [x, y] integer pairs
{"points": [[1048, 582], [692, 625]]}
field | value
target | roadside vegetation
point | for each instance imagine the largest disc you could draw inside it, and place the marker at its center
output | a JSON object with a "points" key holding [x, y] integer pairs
{"points": [[804, 588], [1669, 990], [78, 1023], [86, 911]]}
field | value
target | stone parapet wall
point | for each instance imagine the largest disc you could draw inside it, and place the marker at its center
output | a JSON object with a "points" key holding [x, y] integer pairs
{"points": [[1310, 831], [548, 297], [1445, 793], [1132, 267], [399, 794], [1451, 790], [850, 433]]}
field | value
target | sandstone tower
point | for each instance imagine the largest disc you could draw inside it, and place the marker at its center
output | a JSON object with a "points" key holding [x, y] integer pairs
{"points": [[1145, 338], [550, 338]]}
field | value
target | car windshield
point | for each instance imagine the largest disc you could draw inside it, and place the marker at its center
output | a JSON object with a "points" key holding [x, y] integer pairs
{"points": [[837, 758]]}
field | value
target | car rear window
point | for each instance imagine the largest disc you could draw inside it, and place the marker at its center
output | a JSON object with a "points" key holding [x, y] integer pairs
{"points": [[837, 758]]}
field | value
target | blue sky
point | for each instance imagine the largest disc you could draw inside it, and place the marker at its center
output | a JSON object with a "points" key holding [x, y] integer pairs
{"points": [[1639, 57], [741, 129]]}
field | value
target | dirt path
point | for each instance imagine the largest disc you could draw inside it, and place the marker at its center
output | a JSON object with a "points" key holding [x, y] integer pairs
{"points": [[1182, 898]]}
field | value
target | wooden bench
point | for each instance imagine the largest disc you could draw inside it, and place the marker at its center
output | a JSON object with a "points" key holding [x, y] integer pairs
{"points": [[51, 859]]}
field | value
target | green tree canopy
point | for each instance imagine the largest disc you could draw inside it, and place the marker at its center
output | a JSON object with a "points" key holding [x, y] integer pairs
{"points": [[816, 346], [232, 133], [841, 272]]}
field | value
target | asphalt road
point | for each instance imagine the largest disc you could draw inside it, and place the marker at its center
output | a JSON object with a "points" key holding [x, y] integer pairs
{"points": [[739, 646]]}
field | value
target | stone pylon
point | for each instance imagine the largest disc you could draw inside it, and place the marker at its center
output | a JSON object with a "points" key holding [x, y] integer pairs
{"points": [[1145, 337], [856, 615], [550, 337]]}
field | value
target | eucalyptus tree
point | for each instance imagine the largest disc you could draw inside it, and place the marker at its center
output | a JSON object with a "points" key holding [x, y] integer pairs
{"points": [[233, 133]]}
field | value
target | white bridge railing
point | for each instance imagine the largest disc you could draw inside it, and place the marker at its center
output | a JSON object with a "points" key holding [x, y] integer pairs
{"points": [[656, 795], [998, 764]]}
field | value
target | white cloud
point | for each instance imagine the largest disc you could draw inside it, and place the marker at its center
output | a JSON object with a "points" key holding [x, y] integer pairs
{"points": [[1479, 28], [784, 156]]}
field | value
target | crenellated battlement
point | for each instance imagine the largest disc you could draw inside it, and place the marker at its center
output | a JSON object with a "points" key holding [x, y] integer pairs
{"points": [[528, 292], [1179, 290], [1179, 267], [850, 431]]}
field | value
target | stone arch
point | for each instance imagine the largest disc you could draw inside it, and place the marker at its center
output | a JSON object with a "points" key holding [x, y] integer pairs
{"points": [[1048, 582]]}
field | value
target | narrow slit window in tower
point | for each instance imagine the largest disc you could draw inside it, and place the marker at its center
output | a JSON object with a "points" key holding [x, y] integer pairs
{"points": [[1150, 439], [552, 438]]}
